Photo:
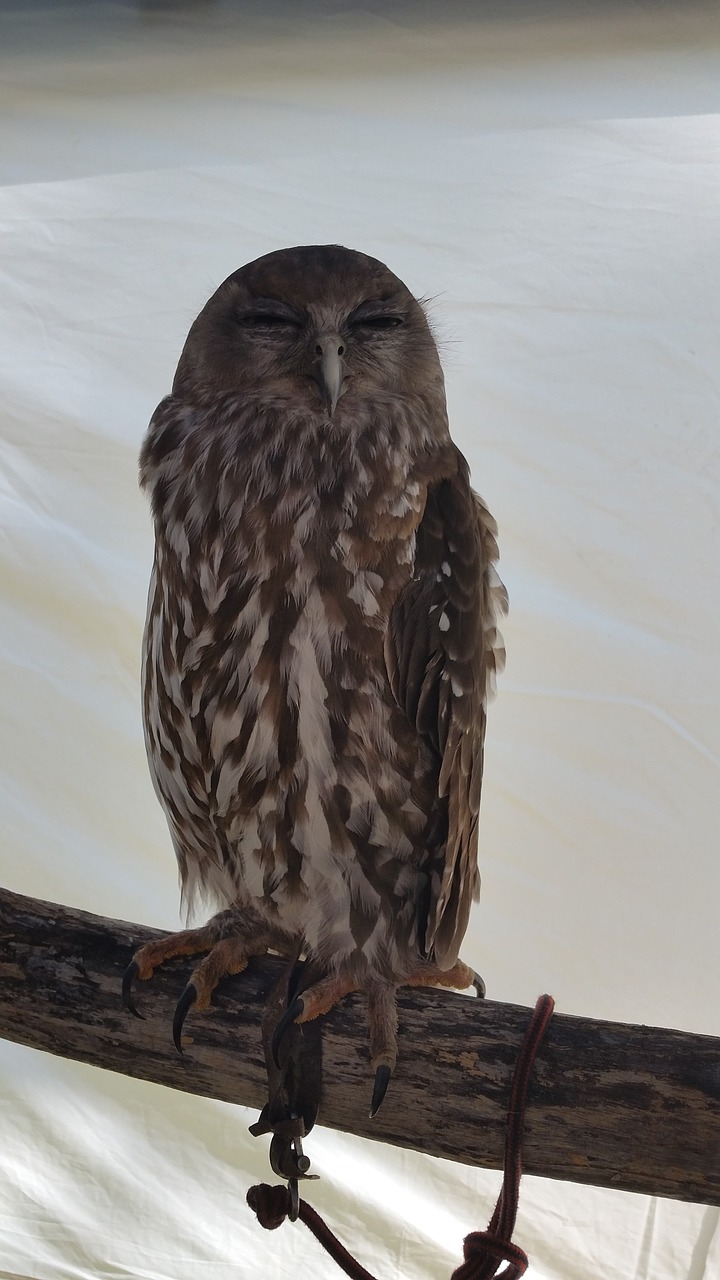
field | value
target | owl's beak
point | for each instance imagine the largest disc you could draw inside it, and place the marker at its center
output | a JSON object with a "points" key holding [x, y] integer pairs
{"points": [[330, 368]]}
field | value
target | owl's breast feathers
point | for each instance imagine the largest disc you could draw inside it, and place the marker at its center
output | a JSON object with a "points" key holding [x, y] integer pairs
{"points": [[320, 638]]}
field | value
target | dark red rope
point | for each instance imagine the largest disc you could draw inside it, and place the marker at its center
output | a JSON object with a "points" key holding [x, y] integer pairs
{"points": [[484, 1251], [272, 1205]]}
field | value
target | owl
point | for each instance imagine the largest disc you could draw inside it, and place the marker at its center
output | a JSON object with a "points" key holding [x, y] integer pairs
{"points": [[320, 640]]}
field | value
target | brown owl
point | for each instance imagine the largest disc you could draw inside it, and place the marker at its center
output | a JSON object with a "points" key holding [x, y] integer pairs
{"points": [[320, 639]]}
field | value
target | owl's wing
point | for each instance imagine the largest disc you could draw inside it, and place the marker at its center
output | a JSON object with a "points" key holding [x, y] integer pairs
{"points": [[442, 651]]}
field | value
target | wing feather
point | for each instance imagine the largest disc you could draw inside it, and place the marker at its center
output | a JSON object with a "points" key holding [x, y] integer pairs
{"points": [[442, 652]]}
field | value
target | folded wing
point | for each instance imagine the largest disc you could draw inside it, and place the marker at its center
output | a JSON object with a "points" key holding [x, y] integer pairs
{"points": [[442, 652]]}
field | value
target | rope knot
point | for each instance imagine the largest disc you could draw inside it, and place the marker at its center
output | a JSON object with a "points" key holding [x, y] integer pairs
{"points": [[484, 1252], [271, 1204]]}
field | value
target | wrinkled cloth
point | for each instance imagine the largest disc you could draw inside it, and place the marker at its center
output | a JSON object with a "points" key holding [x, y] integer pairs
{"points": [[547, 176]]}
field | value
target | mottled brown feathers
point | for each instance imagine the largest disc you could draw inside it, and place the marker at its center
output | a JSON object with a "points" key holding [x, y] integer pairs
{"points": [[321, 620]]}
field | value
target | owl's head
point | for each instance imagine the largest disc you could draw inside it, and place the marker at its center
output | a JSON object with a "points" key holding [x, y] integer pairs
{"points": [[318, 323]]}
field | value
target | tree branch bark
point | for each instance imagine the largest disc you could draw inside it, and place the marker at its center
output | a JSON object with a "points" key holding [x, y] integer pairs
{"points": [[636, 1108]]}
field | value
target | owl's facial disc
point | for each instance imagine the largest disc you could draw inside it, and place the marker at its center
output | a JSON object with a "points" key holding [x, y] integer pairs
{"points": [[329, 374]]}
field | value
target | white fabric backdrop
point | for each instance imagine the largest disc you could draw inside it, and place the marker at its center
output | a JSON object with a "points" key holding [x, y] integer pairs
{"points": [[549, 175]]}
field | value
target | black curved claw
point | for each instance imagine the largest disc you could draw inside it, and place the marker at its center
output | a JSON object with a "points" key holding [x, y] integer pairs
{"points": [[129, 977], [289, 1016], [382, 1080], [479, 986], [183, 1006]]}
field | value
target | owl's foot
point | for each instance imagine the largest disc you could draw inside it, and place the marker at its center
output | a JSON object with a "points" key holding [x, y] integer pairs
{"points": [[382, 1013], [318, 999], [189, 942], [226, 958], [382, 1018], [230, 939], [459, 978]]}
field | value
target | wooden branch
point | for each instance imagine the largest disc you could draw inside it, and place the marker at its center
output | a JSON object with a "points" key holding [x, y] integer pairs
{"points": [[637, 1108]]}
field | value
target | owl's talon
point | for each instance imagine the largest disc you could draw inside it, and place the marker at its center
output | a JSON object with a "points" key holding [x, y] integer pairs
{"points": [[182, 1008], [289, 1016], [129, 977], [479, 985], [382, 1080]]}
